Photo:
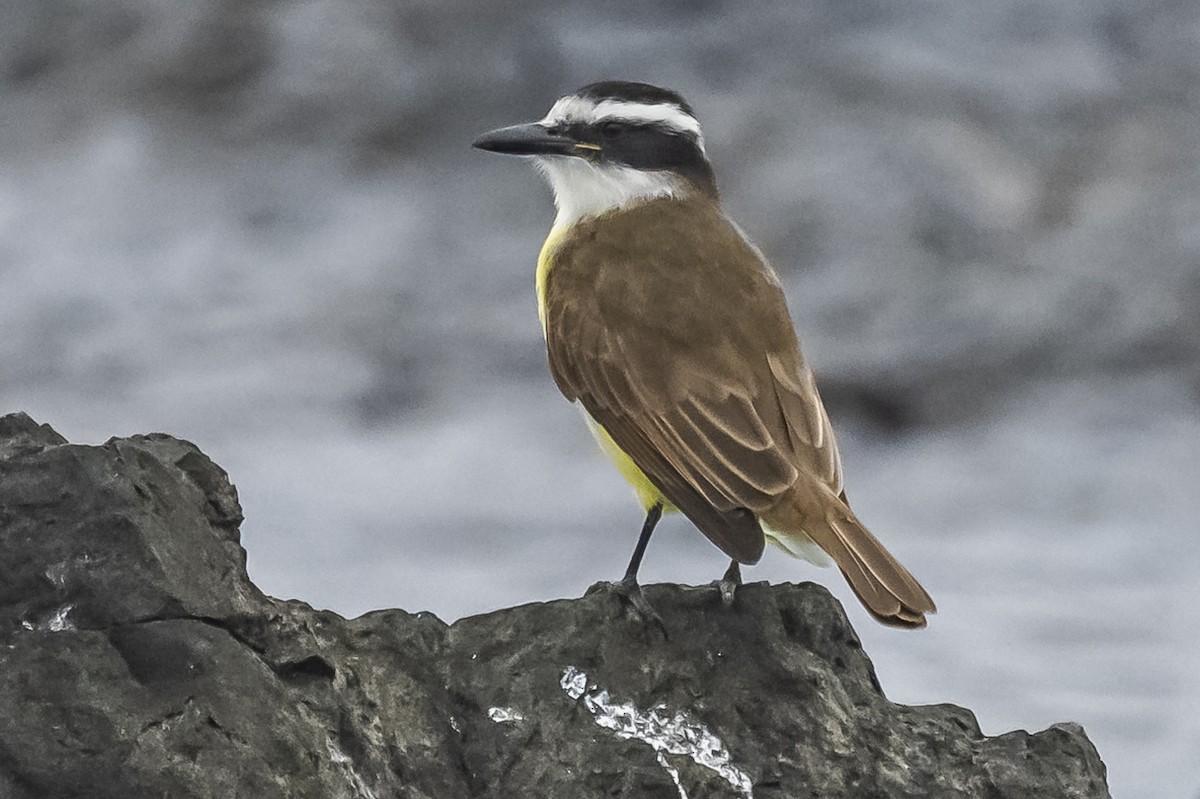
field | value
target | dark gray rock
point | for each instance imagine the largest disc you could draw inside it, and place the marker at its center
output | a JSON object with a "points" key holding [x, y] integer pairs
{"points": [[138, 660]]}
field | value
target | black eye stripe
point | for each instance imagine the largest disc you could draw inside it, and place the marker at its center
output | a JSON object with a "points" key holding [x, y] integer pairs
{"points": [[641, 144], [601, 129]]}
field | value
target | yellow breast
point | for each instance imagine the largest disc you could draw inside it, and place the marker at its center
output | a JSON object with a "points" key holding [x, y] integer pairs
{"points": [[544, 264]]}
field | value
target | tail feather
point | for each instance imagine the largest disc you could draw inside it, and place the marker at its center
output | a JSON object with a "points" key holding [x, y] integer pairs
{"points": [[886, 589]]}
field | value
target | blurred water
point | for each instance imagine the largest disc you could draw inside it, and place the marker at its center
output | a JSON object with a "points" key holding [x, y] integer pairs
{"points": [[258, 226]]}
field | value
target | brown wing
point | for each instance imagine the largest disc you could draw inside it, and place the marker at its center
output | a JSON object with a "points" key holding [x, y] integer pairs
{"points": [[673, 334]]}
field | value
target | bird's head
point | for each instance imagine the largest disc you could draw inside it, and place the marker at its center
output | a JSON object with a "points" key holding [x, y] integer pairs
{"points": [[611, 144]]}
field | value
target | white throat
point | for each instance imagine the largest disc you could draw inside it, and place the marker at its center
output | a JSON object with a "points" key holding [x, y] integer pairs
{"points": [[583, 188]]}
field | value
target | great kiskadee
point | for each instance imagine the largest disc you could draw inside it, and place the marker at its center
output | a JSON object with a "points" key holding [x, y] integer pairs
{"points": [[672, 332]]}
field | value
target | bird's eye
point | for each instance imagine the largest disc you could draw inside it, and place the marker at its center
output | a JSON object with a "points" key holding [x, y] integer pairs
{"points": [[613, 129]]}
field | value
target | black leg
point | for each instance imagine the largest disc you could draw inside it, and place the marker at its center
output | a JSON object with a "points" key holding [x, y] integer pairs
{"points": [[629, 587], [652, 517], [728, 585]]}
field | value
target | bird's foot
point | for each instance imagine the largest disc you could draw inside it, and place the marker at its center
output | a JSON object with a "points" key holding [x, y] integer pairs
{"points": [[728, 584], [631, 591]]}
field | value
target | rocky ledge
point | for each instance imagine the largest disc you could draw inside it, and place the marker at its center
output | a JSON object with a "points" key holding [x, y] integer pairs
{"points": [[138, 660]]}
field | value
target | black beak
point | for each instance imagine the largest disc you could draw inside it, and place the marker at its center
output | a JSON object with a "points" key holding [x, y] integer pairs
{"points": [[530, 139]]}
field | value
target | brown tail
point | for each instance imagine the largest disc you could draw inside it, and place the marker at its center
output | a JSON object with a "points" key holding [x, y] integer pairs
{"points": [[886, 589]]}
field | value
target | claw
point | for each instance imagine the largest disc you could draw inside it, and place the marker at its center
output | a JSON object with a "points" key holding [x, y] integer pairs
{"points": [[631, 591]]}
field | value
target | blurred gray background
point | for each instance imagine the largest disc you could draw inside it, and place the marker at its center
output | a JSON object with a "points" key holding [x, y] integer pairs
{"points": [[257, 224]]}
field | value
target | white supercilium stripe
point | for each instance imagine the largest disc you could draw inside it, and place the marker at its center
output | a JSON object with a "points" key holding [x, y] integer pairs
{"points": [[581, 109]]}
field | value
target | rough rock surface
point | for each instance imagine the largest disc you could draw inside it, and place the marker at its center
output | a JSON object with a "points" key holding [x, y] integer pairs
{"points": [[138, 660]]}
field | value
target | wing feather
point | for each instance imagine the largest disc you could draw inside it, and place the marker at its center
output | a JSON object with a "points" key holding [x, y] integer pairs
{"points": [[808, 424], [688, 359]]}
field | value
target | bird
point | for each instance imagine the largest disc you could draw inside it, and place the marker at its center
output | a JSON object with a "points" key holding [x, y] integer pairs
{"points": [[672, 331]]}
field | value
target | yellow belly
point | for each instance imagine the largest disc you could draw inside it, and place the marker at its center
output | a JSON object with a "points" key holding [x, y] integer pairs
{"points": [[646, 491]]}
